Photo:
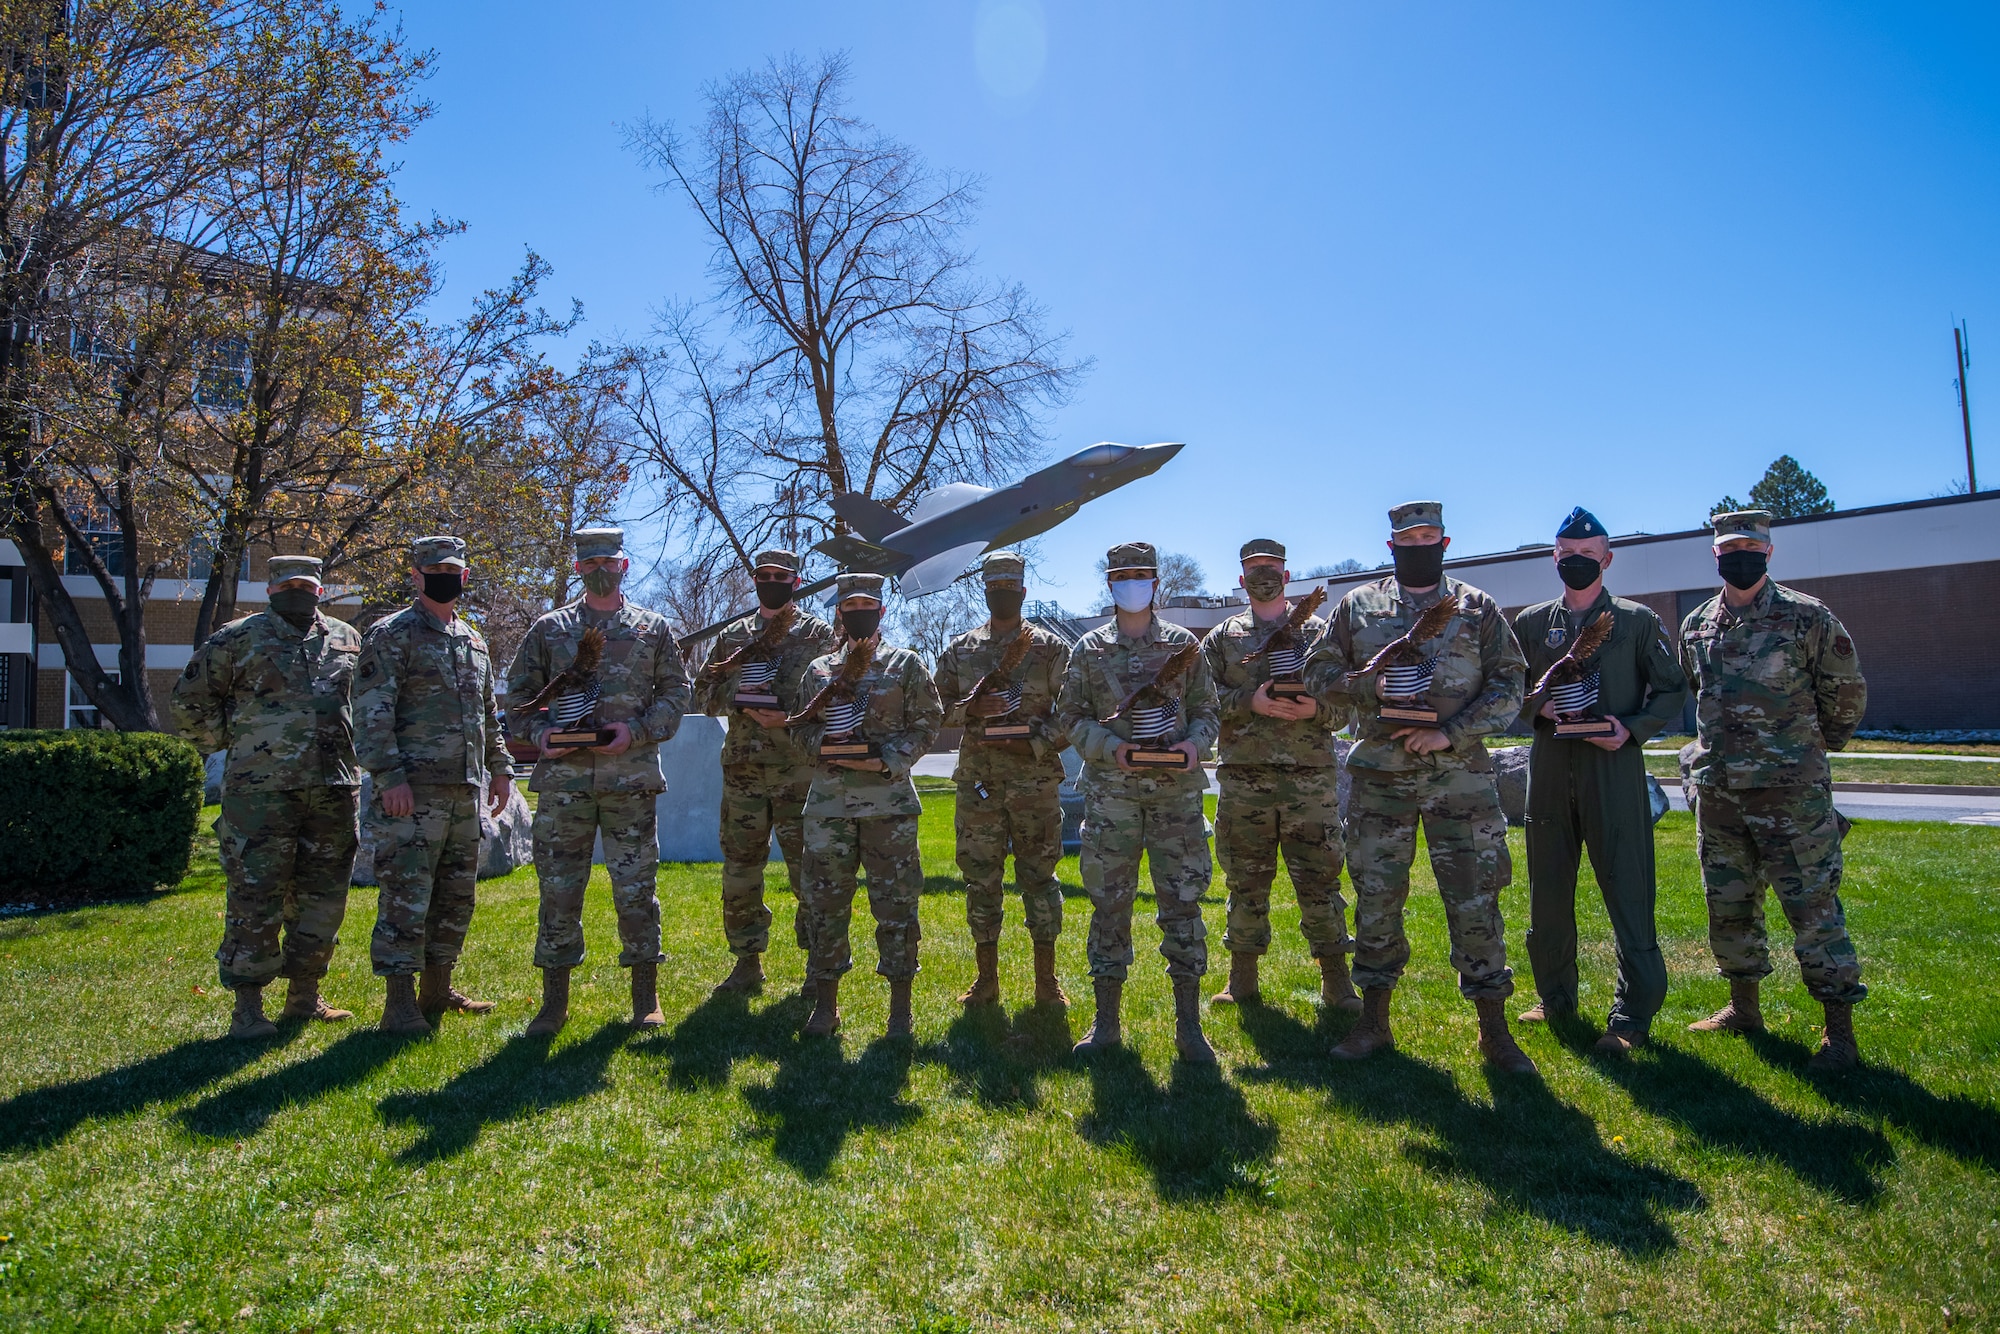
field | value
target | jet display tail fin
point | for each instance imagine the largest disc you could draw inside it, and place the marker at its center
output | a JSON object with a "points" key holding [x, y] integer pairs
{"points": [[851, 553], [870, 518]]}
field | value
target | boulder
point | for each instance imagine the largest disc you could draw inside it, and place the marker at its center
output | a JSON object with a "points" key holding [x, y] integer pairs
{"points": [[211, 787], [1510, 776]]}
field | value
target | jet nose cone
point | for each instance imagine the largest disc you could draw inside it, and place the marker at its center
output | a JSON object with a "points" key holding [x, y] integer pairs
{"points": [[1148, 459]]}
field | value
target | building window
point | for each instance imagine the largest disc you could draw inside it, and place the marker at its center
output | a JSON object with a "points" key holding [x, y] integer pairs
{"points": [[224, 378], [201, 556], [105, 540], [78, 711]]}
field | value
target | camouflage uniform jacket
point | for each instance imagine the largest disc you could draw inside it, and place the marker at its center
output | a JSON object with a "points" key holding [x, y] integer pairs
{"points": [[640, 683], [276, 697], [1104, 668], [1777, 685], [1640, 682], [901, 715], [1477, 687], [1252, 738], [749, 742], [424, 706], [1040, 676]]}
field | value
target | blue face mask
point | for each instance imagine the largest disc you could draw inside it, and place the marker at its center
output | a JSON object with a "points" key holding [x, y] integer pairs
{"points": [[1132, 594]]}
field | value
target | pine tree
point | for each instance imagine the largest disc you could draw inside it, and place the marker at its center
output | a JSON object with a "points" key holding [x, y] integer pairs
{"points": [[1786, 489]]}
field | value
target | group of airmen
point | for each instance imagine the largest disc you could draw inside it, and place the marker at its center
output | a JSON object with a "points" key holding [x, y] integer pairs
{"points": [[304, 704]]}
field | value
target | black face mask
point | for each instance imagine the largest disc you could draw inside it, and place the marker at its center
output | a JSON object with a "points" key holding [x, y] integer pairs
{"points": [[1742, 569], [773, 593], [1579, 572], [860, 625], [1419, 567], [296, 605], [444, 585], [1005, 603]]}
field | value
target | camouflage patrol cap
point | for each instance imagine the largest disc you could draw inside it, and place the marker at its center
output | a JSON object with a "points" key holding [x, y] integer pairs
{"points": [[1416, 514], [1132, 556], [592, 543], [858, 586], [1262, 546], [777, 560], [437, 550], [1003, 565], [1741, 523], [280, 568]]}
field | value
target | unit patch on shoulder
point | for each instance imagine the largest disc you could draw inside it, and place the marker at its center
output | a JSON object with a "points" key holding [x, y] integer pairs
{"points": [[1843, 646]]}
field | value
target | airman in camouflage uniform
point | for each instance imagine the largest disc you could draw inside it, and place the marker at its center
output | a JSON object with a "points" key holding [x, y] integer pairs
{"points": [[1280, 789], [641, 691], [1777, 685], [428, 731], [864, 812], [273, 689], [765, 776], [1009, 796], [1132, 812], [1402, 773]]}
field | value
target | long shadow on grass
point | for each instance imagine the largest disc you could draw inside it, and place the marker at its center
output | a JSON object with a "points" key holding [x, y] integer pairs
{"points": [[722, 1030], [1001, 1063], [1531, 1152], [242, 1110], [1963, 1127], [44, 1116], [1197, 1135], [818, 1098], [520, 1079]]}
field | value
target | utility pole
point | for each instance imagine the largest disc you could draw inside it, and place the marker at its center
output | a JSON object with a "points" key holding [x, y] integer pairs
{"points": [[1961, 340]]}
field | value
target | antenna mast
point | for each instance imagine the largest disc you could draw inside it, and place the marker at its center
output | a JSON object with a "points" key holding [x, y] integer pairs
{"points": [[1961, 339]]}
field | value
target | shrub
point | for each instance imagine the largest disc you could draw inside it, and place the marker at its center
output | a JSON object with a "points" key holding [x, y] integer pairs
{"points": [[95, 814]]}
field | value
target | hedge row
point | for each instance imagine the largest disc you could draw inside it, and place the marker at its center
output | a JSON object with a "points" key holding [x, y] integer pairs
{"points": [[92, 814]]}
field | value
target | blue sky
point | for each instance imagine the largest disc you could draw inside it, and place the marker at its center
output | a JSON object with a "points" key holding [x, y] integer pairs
{"points": [[1512, 257]]}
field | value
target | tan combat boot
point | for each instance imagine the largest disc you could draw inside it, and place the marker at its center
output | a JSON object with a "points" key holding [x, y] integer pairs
{"points": [[1837, 1048], [439, 995], [901, 1025], [824, 1021], [1048, 990], [985, 989], [247, 1019], [1741, 1015], [646, 996], [1189, 1040], [1105, 1031], [1241, 988], [549, 1020], [303, 1001], [400, 1013], [1541, 1012], [1370, 1033], [1496, 1040], [1336, 989], [745, 979]]}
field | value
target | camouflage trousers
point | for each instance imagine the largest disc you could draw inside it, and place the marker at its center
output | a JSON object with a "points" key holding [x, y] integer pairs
{"points": [[1018, 815], [427, 871], [1167, 830], [289, 857], [1788, 838], [836, 850], [758, 799], [566, 829], [1467, 837], [1265, 808]]}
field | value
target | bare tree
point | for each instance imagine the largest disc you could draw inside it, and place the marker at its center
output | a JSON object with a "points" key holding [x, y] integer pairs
{"points": [[693, 596], [927, 625], [1179, 576]]}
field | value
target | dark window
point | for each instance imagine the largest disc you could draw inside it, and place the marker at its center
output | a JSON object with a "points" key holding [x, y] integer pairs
{"points": [[107, 542], [224, 378]]}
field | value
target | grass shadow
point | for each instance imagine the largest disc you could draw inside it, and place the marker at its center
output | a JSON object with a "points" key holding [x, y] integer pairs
{"points": [[1197, 1136], [1529, 1151], [1963, 1127], [518, 1080], [818, 1098], [703, 1047], [242, 1110], [999, 1062], [40, 1117]]}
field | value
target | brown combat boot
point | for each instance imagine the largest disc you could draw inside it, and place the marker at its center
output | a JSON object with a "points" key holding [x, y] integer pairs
{"points": [[985, 989], [824, 1021], [1048, 990], [1741, 1015], [1105, 1031], [745, 979], [303, 1001], [646, 996], [1541, 1012], [901, 1025], [1371, 1033], [1336, 988], [1241, 988], [549, 1020], [1496, 1040], [1837, 1048], [400, 1012], [247, 1019], [1618, 1042], [1189, 1040], [439, 995]]}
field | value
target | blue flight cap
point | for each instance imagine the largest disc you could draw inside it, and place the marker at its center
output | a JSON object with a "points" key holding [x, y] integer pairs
{"points": [[1581, 523]]}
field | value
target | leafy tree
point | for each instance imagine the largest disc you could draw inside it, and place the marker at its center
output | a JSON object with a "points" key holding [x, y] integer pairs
{"points": [[1786, 489]]}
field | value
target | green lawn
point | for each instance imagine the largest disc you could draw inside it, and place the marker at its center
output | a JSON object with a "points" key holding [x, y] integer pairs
{"points": [[722, 1175], [1861, 769]]}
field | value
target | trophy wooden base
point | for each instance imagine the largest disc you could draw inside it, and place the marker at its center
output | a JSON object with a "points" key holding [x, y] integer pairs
{"points": [[849, 750], [752, 700], [1006, 732], [1292, 690], [1408, 714], [1148, 757], [579, 738], [1583, 725]]}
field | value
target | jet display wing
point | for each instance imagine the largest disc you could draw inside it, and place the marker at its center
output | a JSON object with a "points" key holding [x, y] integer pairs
{"points": [[867, 516], [938, 572], [851, 553]]}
